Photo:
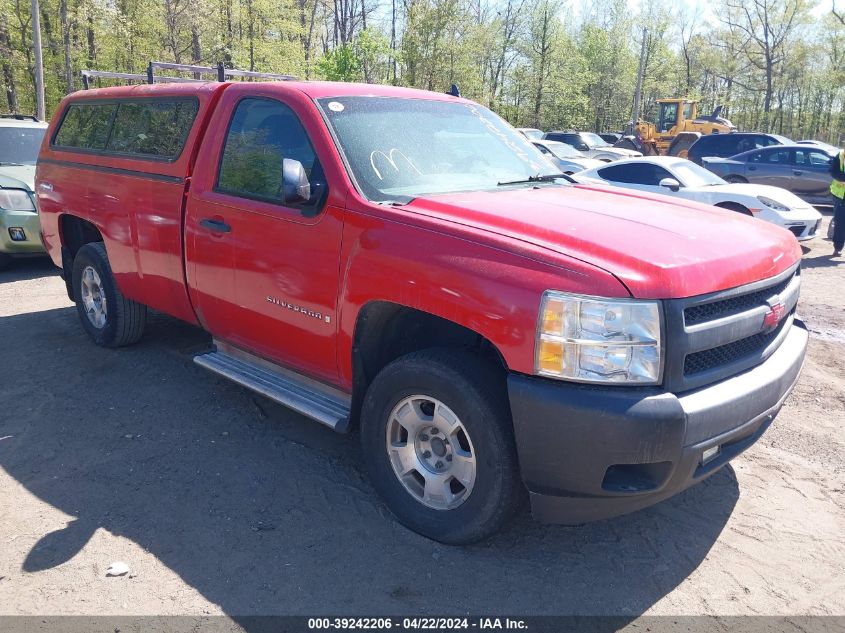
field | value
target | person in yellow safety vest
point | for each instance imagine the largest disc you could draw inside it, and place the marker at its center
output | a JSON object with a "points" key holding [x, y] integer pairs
{"points": [[837, 188]]}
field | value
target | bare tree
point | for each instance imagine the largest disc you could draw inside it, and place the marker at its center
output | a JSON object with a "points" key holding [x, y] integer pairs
{"points": [[68, 67], [543, 29], [689, 23], [509, 20], [766, 25]]}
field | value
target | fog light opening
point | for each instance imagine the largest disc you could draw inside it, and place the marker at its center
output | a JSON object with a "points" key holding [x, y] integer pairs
{"points": [[17, 234], [710, 454]]}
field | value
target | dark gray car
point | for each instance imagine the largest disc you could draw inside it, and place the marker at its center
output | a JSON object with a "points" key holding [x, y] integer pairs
{"points": [[802, 169]]}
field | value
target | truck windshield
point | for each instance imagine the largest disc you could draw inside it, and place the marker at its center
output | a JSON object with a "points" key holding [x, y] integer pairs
{"points": [[20, 145], [398, 149]]}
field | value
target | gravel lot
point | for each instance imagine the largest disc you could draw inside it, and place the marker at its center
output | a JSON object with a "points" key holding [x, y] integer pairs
{"points": [[221, 502]]}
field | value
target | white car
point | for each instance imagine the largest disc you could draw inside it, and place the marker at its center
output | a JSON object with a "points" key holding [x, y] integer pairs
{"points": [[531, 133], [682, 178], [565, 157], [591, 145]]}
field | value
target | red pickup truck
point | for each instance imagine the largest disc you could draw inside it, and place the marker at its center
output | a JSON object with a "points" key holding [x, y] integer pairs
{"points": [[406, 264]]}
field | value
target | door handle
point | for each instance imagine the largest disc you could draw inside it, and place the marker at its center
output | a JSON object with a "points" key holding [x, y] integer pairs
{"points": [[751, 168], [217, 226]]}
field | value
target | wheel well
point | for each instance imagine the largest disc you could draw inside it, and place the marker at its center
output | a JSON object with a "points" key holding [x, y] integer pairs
{"points": [[384, 331], [75, 233]]}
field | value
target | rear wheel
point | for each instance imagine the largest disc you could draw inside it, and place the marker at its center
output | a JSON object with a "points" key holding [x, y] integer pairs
{"points": [[437, 441], [110, 319], [733, 206]]}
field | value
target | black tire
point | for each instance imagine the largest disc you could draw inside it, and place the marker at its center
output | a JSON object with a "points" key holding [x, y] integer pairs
{"points": [[125, 319], [476, 393], [5, 260], [733, 206], [682, 142], [735, 179]]}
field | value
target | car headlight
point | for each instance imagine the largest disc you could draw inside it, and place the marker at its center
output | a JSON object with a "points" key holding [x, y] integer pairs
{"points": [[16, 199], [596, 340], [773, 204]]}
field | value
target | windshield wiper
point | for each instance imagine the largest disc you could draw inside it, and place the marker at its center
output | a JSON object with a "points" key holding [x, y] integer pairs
{"points": [[2, 162], [537, 178]]}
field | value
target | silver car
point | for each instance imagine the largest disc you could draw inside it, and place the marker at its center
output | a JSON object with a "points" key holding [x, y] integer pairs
{"points": [[565, 157], [802, 169]]}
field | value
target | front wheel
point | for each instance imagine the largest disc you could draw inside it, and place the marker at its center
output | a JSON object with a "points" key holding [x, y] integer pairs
{"points": [[110, 319], [437, 441]]}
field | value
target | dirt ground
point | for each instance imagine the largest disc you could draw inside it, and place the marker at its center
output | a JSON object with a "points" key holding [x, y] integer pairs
{"points": [[221, 502]]}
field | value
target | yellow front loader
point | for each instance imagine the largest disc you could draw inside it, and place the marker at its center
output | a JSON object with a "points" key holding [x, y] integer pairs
{"points": [[678, 127]]}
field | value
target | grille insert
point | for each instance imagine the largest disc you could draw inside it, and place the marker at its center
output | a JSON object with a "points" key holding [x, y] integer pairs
{"points": [[734, 305], [726, 354]]}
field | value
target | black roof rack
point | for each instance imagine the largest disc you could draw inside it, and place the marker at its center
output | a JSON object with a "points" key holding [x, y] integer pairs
{"points": [[220, 71], [20, 117]]}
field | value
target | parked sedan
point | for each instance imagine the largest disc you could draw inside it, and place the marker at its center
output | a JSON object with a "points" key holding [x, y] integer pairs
{"points": [[565, 157], [679, 177], [802, 169], [591, 145]]}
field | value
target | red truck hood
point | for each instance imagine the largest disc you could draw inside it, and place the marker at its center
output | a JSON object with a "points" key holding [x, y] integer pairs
{"points": [[659, 247]]}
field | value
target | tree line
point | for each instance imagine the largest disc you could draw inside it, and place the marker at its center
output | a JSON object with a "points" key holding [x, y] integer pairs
{"points": [[775, 65]]}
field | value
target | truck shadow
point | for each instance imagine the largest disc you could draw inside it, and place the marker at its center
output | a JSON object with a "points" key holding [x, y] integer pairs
{"points": [[264, 512], [27, 269]]}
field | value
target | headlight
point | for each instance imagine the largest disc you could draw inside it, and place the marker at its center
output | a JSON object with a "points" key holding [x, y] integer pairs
{"points": [[772, 204], [16, 199], [596, 340]]}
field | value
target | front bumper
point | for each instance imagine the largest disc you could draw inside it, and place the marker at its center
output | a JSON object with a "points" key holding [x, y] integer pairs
{"points": [[589, 453], [29, 223]]}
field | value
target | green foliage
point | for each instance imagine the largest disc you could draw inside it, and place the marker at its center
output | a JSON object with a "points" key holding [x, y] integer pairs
{"points": [[537, 62], [339, 64]]}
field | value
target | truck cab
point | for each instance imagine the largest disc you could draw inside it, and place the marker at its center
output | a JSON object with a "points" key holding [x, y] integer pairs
{"points": [[407, 264]]}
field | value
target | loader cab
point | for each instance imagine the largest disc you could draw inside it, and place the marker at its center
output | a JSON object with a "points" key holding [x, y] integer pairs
{"points": [[673, 112]]}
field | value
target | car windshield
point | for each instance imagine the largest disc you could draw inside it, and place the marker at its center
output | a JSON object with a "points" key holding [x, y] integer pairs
{"points": [[397, 149], [594, 140], [692, 175], [19, 145], [563, 150]]}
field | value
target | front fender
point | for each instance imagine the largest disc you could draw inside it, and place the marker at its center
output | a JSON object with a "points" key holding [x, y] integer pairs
{"points": [[479, 281]]}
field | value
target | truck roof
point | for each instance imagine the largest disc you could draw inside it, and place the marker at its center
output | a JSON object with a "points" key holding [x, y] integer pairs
{"points": [[314, 89]]}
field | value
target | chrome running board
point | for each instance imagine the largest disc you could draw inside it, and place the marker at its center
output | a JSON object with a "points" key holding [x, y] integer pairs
{"points": [[311, 398]]}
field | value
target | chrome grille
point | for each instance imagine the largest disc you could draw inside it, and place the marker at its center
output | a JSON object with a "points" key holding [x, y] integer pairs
{"points": [[734, 305], [705, 360]]}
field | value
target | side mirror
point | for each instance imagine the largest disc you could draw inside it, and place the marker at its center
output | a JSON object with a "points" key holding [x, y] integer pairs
{"points": [[582, 147], [671, 184], [296, 188]]}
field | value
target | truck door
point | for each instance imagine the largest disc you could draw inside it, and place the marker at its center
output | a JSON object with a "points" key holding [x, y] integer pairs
{"points": [[263, 274]]}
